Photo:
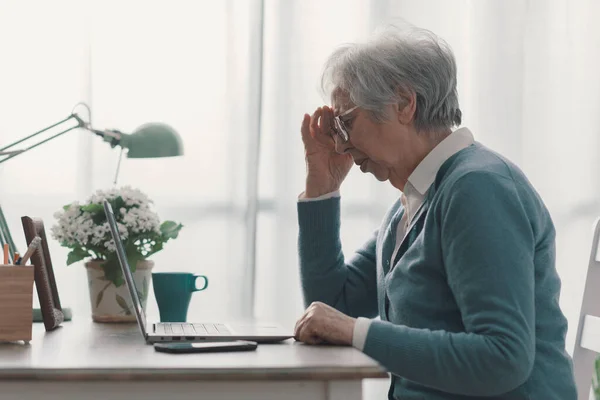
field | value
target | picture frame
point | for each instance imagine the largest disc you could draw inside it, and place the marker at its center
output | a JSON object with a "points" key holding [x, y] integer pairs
{"points": [[45, 283]]}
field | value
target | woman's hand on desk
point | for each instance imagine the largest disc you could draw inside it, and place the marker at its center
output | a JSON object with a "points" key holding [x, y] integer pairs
{"points": [[324, 324]]}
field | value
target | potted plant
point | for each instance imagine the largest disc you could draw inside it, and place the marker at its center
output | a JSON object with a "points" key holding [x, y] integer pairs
{"points": [[84, 229]]}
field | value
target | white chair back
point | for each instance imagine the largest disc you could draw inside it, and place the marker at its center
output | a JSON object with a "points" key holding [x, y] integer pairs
{"points": [[587, 342]]}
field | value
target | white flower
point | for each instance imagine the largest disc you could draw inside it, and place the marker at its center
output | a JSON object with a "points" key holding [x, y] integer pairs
{"points": [[122, 231], [139, 220], [68, 228], [133, 212], [110, 245], [98, 234]]}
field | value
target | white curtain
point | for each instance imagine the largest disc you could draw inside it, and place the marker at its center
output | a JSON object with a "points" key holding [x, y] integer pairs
{"points": [[189, 64], [43, 74], [529, 88], [232, 75]]}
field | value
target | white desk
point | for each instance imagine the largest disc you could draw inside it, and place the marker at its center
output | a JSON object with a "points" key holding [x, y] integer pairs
{"points": [[84, 360]]}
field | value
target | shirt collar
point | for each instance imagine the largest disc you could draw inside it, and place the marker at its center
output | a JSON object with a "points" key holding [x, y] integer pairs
{"points": [[424, 175]]}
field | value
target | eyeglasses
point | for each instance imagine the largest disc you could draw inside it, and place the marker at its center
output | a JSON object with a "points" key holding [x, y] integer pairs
{"points": [[339, 126]]}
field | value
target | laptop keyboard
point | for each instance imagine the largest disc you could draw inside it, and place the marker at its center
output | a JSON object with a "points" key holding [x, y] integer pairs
{"points": [[184, 329]]}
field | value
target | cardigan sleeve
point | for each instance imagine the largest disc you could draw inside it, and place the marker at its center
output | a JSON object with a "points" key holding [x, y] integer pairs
{"points": [[350, 287]]}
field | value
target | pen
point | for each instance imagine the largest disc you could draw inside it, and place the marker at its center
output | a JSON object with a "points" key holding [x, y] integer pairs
{"points": [[5, 254], [32, 247], [16, 258]]}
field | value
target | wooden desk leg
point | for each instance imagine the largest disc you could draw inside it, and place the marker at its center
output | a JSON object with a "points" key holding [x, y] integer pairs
{"points": [[344, 390]]}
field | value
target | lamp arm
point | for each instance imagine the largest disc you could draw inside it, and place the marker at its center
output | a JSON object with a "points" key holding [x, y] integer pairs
{"points": [[79, 121], [12, 154]]}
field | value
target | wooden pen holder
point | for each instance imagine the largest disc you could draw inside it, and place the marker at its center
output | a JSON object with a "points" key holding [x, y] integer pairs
{"points": [[16, 302]]}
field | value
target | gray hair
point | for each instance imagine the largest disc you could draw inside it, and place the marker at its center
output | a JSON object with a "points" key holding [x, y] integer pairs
{"points": [[397, 61]]}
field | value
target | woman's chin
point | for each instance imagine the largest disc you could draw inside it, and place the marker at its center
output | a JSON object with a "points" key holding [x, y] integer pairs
{"points": [[379, 174], [380, 177]]}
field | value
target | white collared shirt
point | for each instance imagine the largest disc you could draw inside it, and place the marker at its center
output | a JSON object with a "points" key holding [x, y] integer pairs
{"points": [[419, 182], [423, 176]]}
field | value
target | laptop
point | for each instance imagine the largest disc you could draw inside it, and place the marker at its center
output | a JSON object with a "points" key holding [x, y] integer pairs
{"points": [[188, 332]]}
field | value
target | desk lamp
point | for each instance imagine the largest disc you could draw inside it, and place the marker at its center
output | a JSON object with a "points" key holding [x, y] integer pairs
{"points": [[151, 140]]}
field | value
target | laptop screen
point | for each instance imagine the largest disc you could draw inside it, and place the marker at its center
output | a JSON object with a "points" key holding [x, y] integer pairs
{"points": [[137, 304]]}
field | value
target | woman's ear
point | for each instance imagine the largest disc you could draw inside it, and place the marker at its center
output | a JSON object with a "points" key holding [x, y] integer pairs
{"points": [[407, 107]]}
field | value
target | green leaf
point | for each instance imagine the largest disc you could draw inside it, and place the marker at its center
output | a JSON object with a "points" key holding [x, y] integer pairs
{"points": [[133, 254], [99, 298], [123, 304], [77, 254], [66, 208], [119, 281], [92, 208], [118, 203], [132, 258], [112, 270], [101, 294], [170, 230], [143, 295], [99, 218], [155, 248]]}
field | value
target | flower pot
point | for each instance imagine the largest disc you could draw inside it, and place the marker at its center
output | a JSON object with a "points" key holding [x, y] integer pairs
{"points": [[113, 304]]}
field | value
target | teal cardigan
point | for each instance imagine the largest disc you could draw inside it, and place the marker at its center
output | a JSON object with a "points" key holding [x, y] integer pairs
{"points": [[469, 308]]}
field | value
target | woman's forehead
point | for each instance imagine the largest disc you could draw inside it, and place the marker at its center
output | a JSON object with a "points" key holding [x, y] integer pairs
{"points": [[340, 100]]}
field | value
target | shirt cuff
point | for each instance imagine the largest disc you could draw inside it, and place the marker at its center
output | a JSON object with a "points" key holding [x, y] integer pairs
{"points": [[361, 329], [329, 195]]}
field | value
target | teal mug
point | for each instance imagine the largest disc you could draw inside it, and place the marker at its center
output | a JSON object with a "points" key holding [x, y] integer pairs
{"points": [[173, 292]]}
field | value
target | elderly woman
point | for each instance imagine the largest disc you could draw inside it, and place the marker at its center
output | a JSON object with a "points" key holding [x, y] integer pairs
{"points": [[461, 271]]}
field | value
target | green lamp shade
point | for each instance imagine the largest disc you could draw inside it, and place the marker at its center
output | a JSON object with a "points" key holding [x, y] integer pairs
{"points": [[152, 141]]}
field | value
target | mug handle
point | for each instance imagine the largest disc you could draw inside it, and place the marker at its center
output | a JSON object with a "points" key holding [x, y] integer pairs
{"points": [[195, 288]]}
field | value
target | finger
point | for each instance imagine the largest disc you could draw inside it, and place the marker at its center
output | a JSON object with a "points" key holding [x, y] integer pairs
{"points": [[303, 333], [305, 129], [307, 321], [300, 325], [307, 326], [326, 121], [310, 336], [302, 320], [314, 122], [299, 331], [321, 132]]}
